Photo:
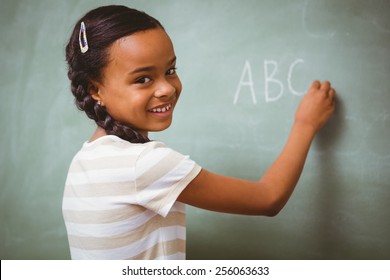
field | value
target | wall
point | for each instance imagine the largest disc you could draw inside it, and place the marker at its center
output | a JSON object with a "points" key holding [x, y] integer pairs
{"points": [[244, 66]]}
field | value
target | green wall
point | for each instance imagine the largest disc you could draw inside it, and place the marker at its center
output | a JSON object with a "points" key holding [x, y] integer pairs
{"points": [[244, 65]]}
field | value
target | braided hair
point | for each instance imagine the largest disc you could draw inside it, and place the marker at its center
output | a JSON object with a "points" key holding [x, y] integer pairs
{"points": [[104, 25]]}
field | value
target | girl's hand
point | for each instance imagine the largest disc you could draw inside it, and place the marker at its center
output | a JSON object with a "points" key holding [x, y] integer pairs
{"points": [[316, 106]]}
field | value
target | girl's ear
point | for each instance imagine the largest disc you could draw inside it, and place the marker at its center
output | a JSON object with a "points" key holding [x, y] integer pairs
{"points": [[94, 91]]}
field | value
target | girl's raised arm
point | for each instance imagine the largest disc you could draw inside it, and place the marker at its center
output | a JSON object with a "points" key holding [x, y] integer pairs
{"points": [[268, 195]]}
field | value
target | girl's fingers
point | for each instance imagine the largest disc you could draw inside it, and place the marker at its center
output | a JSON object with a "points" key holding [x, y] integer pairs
{"points": [[316, 84], [325, 86], [331, 93]]}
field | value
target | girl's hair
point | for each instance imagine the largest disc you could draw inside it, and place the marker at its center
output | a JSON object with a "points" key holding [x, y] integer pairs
{"points": [[104, 25]]}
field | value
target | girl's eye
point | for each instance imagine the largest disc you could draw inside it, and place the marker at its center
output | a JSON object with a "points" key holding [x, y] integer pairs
{"points": [[172, 71], [143, 80]]}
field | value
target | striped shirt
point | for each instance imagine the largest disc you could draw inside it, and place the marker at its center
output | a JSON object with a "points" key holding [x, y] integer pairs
{"points": [[120, 200]]}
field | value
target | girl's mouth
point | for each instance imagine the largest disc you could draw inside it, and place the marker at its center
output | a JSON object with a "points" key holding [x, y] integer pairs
{"points": [[161, 109]]}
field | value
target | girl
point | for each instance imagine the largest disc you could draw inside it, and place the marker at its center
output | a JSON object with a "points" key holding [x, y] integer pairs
{"points": [[124, 195]]}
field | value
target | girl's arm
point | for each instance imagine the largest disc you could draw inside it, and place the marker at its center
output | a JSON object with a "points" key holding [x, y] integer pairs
{"points": [[268, 195]]}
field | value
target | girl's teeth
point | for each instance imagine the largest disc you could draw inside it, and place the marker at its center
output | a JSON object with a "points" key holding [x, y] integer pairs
{"points": [[162, 110]]}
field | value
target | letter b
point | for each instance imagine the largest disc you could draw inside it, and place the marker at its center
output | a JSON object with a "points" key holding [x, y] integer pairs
{"points": [[270, 78]]}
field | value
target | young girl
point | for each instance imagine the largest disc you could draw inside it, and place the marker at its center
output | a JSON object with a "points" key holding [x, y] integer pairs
{"points": [[125, 194]]}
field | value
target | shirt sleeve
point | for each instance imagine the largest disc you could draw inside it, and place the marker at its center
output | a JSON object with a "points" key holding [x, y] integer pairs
{"points": [[161, 175]]}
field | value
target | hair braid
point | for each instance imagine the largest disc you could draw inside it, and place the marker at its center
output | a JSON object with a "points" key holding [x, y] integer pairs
{"points": [[113, 127], [99, 114]]}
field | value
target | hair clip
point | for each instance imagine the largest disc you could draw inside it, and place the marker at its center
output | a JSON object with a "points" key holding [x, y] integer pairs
{"points": [[83, 38]]}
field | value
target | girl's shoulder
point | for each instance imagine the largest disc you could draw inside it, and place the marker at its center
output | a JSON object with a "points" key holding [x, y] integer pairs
{"points": [[110, 145], [115, 141]]}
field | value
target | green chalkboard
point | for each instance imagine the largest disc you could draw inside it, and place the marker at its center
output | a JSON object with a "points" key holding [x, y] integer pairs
{"points": [[244, 66]]}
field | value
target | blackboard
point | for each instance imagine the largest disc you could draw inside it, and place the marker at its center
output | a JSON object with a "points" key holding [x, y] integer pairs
{"points": [[244, 66]]}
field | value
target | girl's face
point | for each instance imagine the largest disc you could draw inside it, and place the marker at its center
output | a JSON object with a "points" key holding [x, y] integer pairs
{"points": [[139, 85]]}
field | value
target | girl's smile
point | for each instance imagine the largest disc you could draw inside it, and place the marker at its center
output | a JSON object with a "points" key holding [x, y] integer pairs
{"points": [[140, 86], [161, 109]]}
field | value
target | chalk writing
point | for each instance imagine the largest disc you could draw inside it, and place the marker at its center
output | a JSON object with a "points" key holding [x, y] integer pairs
{"points": [[246, 72], [269, 78], [270, 71]]}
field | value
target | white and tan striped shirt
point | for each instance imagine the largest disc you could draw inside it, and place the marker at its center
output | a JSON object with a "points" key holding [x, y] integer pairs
{"points": [[120, 200]]}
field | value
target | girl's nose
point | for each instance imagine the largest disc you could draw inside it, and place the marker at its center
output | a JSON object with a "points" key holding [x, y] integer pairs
{"points": [[165, 90]]}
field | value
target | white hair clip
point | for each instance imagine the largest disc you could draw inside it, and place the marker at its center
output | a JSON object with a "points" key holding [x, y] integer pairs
{"points": [[83, 38]]}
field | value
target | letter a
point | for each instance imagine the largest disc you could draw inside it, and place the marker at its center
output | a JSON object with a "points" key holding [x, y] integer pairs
{"points": [[247, 71], [270, 78]]}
